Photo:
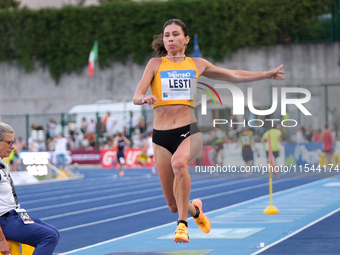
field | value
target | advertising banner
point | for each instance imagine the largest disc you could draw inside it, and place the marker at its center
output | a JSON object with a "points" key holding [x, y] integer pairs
{"points": [[90, 157], [300, 154], [133, 159]]}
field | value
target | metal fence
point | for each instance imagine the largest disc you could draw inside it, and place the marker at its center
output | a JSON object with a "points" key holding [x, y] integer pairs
{"points": [[323, 28], [323, 105], [23, 124]]}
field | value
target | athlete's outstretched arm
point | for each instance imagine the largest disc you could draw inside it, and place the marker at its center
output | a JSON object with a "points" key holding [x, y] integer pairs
{"points": [[235, 76]]}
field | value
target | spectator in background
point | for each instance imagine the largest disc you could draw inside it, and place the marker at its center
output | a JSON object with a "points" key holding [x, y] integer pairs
{"points": [[106, 145], [309, 133], [275, 139], [327, 139], [218, 137], [142, 139], [85, 144], [13, 160], [83, 126], [50, 128], [332, 129], [105, 118], [149, 127], [136, 139], [141, 124], [148, 150], [101, 127], [60, 150], [335, 117], [36, 140], [233, 129], [71, 128], [131, 122], [91, 127], [19, 145], [317, 135], [78, 139], [92, 140], [72, 145], [247, 142], [50, 144], [111, 121], [299, 135]]}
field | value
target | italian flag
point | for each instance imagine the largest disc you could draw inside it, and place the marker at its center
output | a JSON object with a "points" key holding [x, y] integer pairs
{"points": [[92, 59]]}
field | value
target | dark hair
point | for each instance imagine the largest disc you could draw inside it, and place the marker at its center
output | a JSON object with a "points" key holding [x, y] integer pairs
{"points": [[157, 43]]}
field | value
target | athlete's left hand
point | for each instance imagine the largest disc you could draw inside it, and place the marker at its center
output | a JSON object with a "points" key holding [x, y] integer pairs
{"points": [[276, 73], [150, 99]]}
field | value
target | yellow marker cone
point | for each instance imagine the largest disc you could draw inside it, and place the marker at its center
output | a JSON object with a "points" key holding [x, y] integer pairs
{"points": [[336, 159], [322, 161]]}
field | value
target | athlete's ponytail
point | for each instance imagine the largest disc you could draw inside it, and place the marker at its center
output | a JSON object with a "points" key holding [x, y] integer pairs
{"points": [[158, 45]]}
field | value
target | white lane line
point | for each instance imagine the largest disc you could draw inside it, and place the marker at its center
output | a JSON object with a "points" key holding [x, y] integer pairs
{"points": [[162, 207], [62, 190], [92, 200], [297, 231], [189, 219], [103, 207], [112, 189], [117, 238], [77, 193], [127, 194], [115, 218]]}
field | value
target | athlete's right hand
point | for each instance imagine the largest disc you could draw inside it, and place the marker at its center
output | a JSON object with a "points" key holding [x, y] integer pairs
{"points": [[150, 99]]}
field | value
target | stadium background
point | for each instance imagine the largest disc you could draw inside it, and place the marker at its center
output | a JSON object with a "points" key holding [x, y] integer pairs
{"points": [[44, 76]]}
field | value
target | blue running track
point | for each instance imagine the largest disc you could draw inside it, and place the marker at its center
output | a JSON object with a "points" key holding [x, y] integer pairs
{"points": [[103, 214]]}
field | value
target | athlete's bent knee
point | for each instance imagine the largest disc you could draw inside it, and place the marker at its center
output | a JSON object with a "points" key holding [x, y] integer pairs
{"points": [[179, 166]]}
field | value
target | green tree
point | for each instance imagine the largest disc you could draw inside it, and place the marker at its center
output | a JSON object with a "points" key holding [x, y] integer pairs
{"points": [[4, 4], [61, 39], [104, 1]]}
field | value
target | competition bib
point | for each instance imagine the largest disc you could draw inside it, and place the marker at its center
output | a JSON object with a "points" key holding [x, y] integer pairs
{"points": [[246, 140], [178, 84]]}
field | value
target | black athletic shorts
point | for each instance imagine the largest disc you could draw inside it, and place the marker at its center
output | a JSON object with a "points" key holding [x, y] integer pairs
{"points": [[276, 154], [247, 155], [172, 138], [218, 146]]}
